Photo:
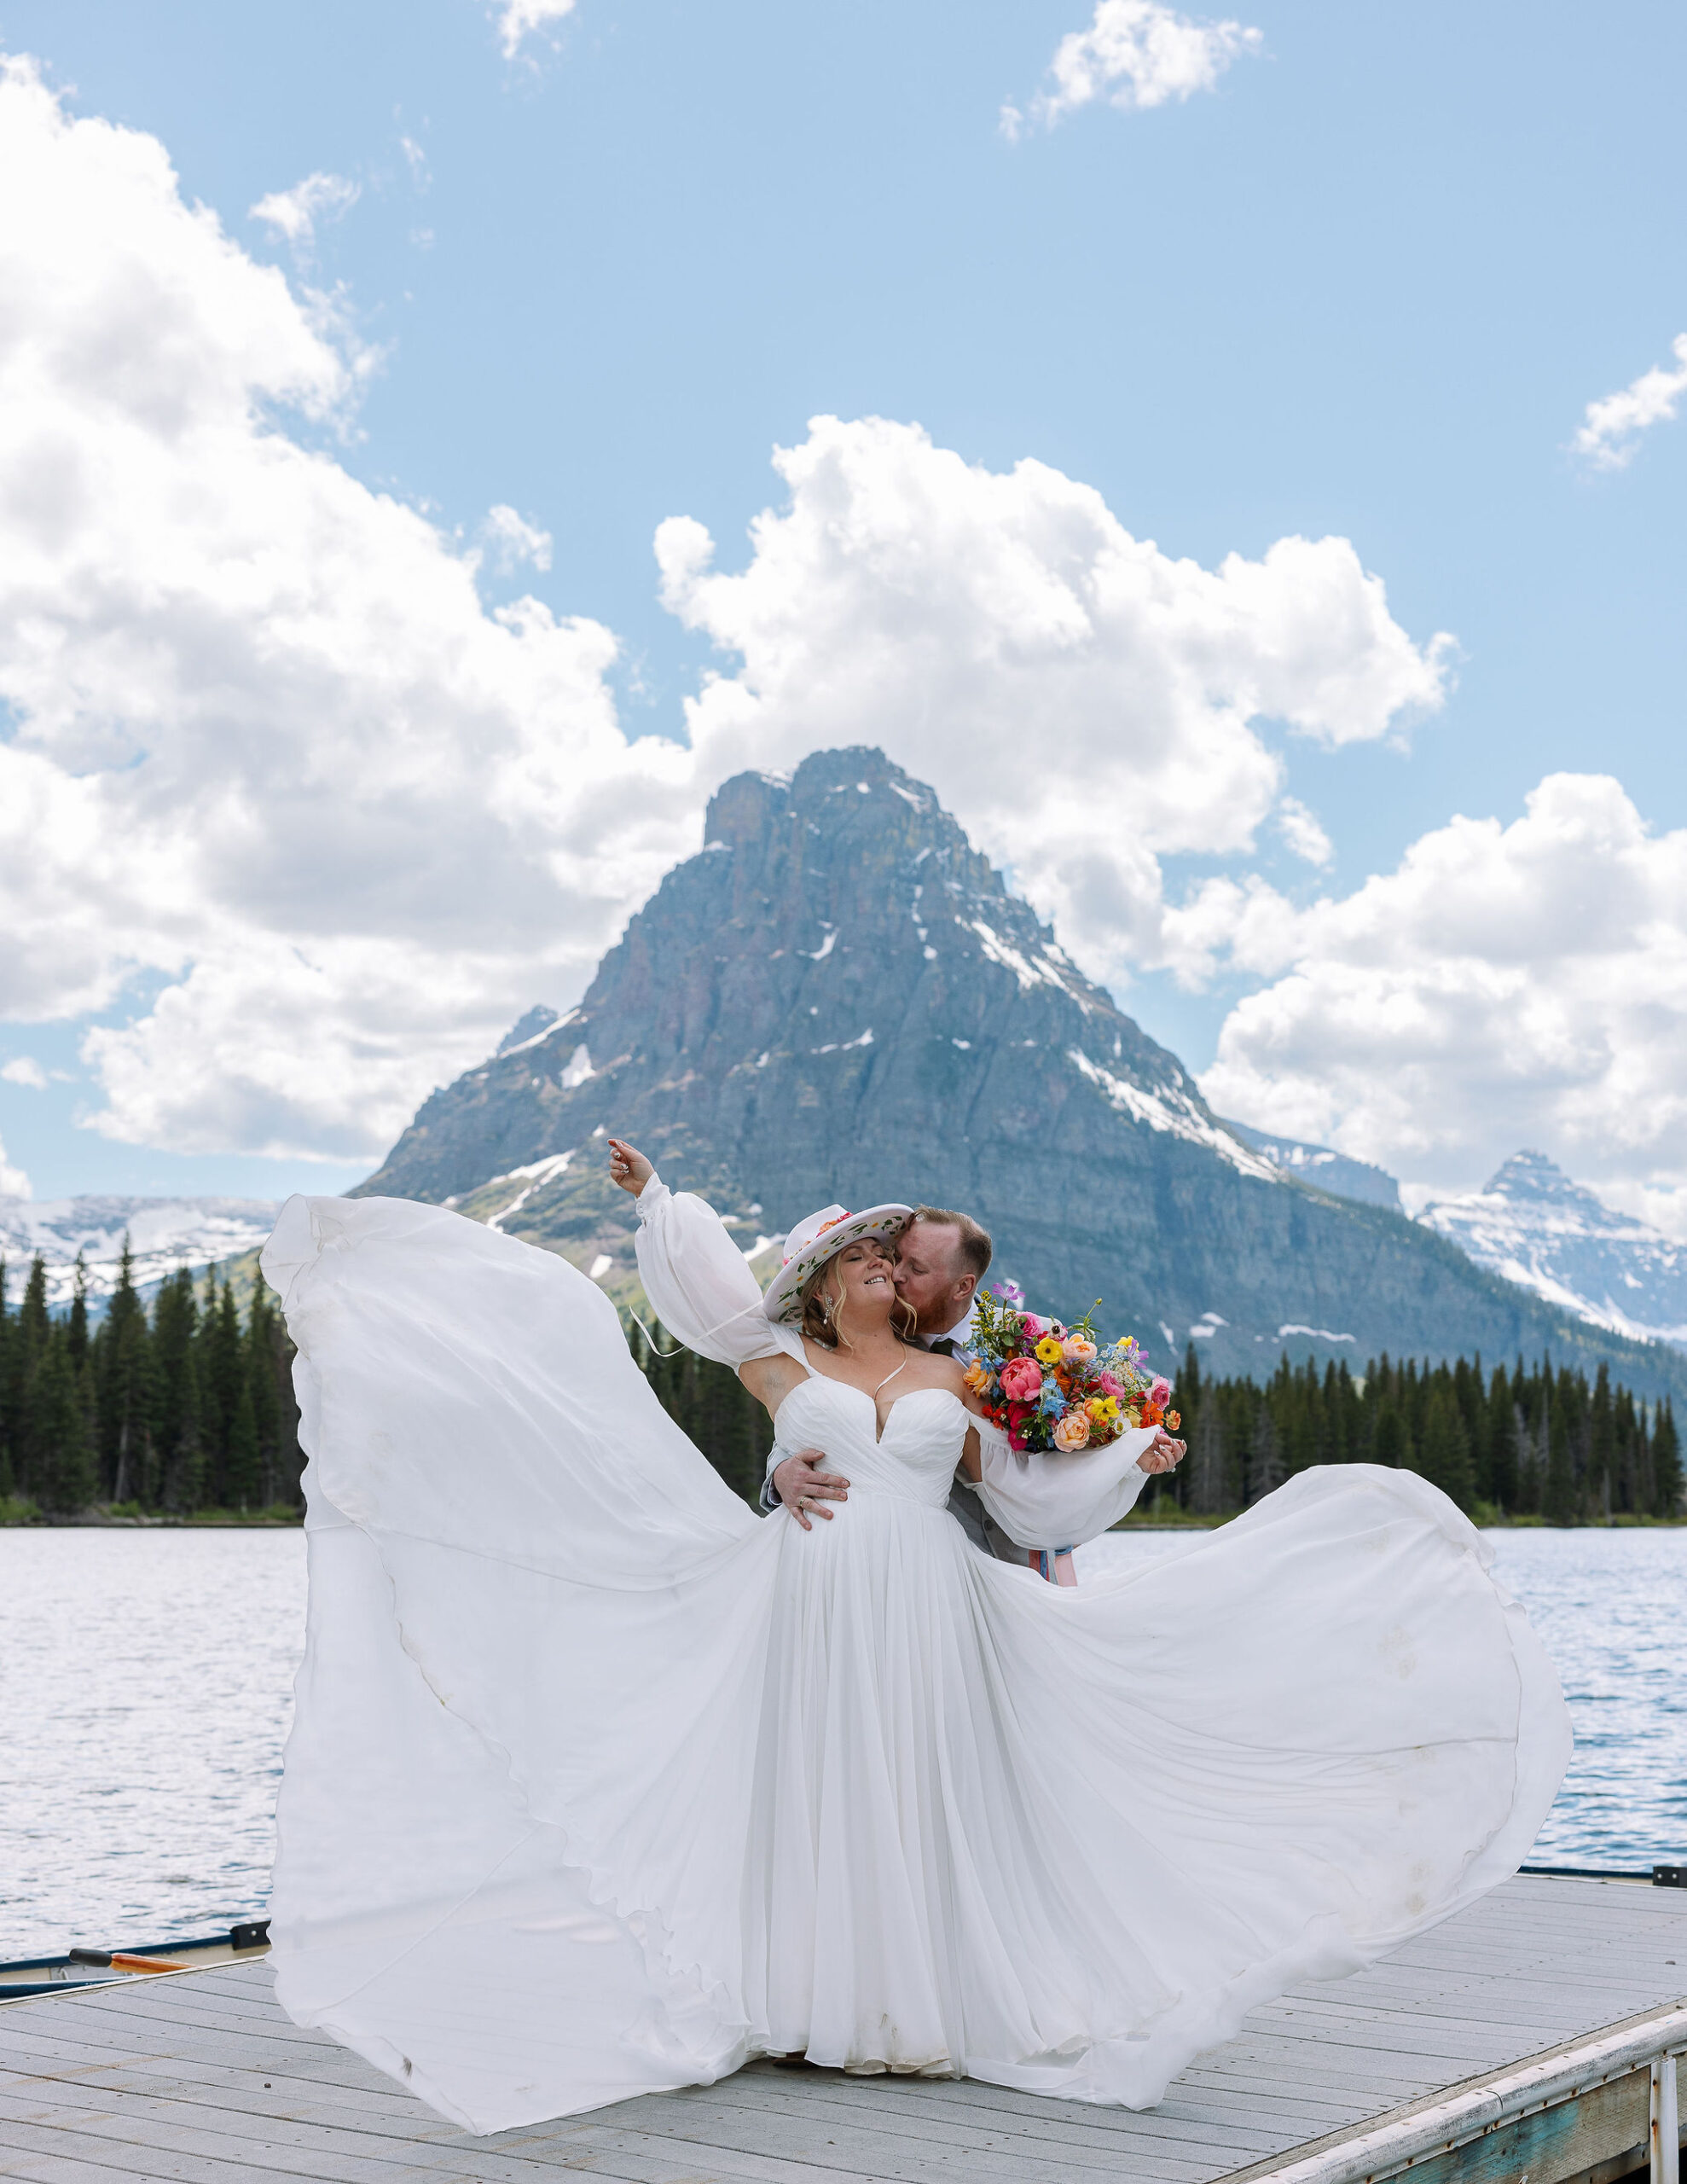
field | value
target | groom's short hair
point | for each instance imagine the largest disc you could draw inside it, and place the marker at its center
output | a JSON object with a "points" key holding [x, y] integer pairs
{"points": [[973, 1252]]}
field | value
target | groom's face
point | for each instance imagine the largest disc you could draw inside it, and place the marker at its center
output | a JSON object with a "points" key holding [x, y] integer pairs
{"points": [[931, 1277]]}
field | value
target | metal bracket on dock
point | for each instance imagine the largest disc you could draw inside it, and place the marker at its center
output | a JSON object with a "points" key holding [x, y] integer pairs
{"points": [[1665, 2124]]}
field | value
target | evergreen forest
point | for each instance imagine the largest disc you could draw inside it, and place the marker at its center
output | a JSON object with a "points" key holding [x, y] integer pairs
{"points": [[1528, 1442], [185, 1410]]}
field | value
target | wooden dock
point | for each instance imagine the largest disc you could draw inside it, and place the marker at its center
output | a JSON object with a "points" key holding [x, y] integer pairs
{"points": [[1523, 2043]]}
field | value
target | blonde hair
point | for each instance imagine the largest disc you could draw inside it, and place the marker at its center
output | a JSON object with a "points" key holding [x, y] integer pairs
{"points": [[822, 1319]]}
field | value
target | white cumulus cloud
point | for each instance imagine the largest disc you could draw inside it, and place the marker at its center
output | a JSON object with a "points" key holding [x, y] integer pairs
{"points": [[1303, 832], [24, 1069], [1004, 637], [1135, 54], [295, 214], [510, 540], [284, 789], [518, 19], [273, 755], [13, 1183], [1610, 432], [1506, 985]]}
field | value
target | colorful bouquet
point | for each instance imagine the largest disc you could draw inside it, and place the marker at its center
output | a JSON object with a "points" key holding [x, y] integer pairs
{"points": [[1054, 1387]]}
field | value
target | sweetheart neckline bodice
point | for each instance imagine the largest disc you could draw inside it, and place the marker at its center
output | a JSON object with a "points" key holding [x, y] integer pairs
{"points": [[882, 1426]]}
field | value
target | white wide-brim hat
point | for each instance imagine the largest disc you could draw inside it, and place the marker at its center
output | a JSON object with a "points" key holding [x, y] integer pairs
{"points": [[812, 1242]]}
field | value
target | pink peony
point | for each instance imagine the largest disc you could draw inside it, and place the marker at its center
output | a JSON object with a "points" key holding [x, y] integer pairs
{"points": [[1034, 1328], [1160, 1394], [1021, 1380], [1072, 1432], [1111, 1384]]}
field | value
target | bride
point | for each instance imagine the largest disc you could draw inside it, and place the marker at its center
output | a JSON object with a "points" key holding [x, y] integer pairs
{"points": [[599, 1783]]}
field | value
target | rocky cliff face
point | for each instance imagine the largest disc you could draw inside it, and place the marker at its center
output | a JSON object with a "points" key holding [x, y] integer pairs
{"points": [[1534, 1226], [837, 999]]}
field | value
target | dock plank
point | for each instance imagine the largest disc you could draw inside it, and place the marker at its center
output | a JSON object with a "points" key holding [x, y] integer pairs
{"points": [[202, 2078]]}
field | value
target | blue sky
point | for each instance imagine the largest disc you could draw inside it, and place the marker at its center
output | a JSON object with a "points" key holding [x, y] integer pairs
{"points": [[1366, 286]]}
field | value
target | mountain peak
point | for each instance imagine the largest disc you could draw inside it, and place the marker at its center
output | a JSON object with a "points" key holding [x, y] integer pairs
{"points": [[1535, 1225], [838, 997], [1529, 1175], [836, 976]]}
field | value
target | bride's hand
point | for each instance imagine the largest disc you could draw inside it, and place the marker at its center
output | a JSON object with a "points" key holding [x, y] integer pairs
{"points": [[628, 1166], [1161, 1454]]}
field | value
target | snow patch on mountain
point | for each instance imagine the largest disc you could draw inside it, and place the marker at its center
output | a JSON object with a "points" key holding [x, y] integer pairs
{"points": [[164, 1233], [1171, 1111], [1534, 1226]]}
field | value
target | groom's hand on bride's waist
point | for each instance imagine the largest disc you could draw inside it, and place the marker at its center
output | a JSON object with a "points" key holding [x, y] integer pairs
{"points": [[805, 1489]]}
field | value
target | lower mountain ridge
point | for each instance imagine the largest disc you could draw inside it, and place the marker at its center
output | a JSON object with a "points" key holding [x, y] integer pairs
{"points": [[165, 1234], [838, 999]]}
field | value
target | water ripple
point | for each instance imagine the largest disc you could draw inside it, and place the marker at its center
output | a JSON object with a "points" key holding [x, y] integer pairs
{"points": [[149, 1688]]}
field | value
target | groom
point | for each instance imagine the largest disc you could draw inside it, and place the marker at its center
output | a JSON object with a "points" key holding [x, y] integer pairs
{"points": [[942, 1256]]}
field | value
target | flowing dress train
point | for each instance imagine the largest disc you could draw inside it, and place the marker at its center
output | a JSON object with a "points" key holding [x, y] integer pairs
{"points": [[600, 1784]]}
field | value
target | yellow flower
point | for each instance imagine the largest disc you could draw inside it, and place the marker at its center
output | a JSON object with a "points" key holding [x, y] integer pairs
{"points": [[1049, 1351], [1102, 1408]]}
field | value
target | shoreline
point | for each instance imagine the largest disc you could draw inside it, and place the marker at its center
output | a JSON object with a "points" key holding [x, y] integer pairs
{"points": [[14, 1517]]}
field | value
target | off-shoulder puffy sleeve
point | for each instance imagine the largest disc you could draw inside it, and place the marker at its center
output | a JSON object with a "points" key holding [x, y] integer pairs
{"points": [[1045, 1500], [700, 1282]]}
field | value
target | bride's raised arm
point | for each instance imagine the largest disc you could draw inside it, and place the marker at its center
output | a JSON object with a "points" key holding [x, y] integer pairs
{"points": [[697, 1280]]}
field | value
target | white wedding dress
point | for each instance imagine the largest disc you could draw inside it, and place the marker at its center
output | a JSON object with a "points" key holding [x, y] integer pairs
{"points": [[600, 1784]]}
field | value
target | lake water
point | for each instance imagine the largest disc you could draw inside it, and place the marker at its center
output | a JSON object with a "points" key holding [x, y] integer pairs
{"points": [[146, 1687]]}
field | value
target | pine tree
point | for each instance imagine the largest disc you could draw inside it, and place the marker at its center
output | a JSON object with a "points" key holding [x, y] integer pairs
{"points": [[1666, 1475], [243, 1475], [1187, 1394], [8, 1474], [1601, 1446], [1445, 1456], [1208, 1486], [264, 1394], [61, 1452], [123, 1380], [1391, 1443], [28, 1345], [1499, 1484], [222, 1379], [1558, 1489], [176, 1394], [1264, 1462]]}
